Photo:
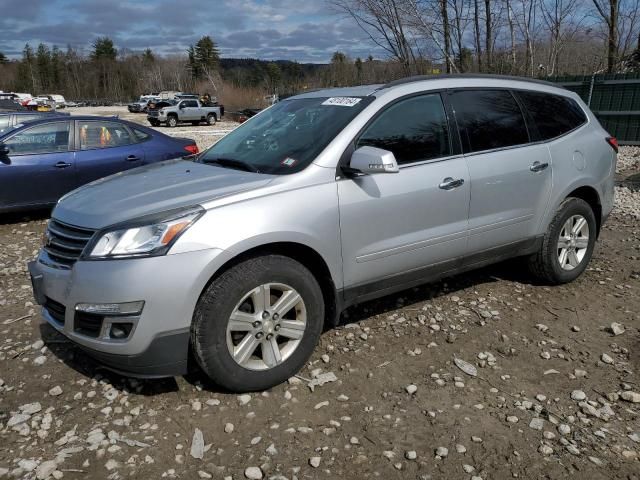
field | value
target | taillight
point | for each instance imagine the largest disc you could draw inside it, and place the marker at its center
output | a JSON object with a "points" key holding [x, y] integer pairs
{"points": [[613, 141], [192, 149]]}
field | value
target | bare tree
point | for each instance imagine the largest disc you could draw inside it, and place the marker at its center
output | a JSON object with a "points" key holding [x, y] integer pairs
{"points": [[563, 19], [446, 34], [461, 19], [512, 35], [383, 22], [476, 31], [611, 20], [488, 34]]}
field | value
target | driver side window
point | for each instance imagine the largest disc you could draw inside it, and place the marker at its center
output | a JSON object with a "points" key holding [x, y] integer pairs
{"points": [[414, 129], [47, 138]]}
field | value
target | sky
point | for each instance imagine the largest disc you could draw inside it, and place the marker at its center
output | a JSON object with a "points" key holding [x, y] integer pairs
{"points": [[301, 30]]}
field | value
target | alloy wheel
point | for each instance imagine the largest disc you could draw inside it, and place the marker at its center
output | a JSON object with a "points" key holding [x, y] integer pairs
{"points": [[573, 242], [266, 326]]}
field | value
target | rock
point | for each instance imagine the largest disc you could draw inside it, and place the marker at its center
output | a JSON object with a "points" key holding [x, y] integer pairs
{"points": [[314, 462], [410, 455], [411, 389], [203, 474], [606, 359], [271, 450], [466, 367], [321, 379], [318, 406], [228, 428], [45, 469], [40, 360], [468, 468], [630, 396], [564, 429], [111, 464], [244, 399], [545, 450], [536, 423], [596, 461], [37, 345], [460, 448], [253, 473], [578, 395], [572, 449], [442, 452], [616, 329], [28, 465], [17, 419], [30, 408], [197, 445], [55, 391], [512, 419]]}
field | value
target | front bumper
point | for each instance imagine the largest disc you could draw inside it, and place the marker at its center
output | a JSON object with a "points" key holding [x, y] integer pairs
{"points": [[170, 286]]}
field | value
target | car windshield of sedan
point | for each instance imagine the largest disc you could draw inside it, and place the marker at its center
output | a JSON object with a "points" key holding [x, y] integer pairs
{"points": [[286, 137]]}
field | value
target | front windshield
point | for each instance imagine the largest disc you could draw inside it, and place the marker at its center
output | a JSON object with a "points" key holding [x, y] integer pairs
{"points": [[286, 137]]}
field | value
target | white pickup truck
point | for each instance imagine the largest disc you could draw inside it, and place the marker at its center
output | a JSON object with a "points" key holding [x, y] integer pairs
{"points": [[190, 111]]}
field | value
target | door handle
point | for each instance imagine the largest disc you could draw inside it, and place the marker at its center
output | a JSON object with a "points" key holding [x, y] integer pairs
{"points": [[449, 183], [132, 158], [62, 165], [538, 167]]}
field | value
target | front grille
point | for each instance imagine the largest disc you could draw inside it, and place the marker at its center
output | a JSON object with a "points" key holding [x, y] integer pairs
{"points": [[88, 324], [55, 310], [64, 243]]}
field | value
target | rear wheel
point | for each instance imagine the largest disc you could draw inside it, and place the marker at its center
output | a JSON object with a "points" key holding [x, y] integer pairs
{"points": [[172, 121], [568, 244], [257, 324], [211, 119]]}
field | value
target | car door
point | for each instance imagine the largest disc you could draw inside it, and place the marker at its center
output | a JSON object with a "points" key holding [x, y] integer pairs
{"points": [[191, 110], [396, 228], [39, 165], [105, 147], [511, 177]]}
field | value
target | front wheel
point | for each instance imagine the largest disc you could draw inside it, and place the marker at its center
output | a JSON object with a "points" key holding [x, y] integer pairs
{"points": [[172, 121], [258, 323], [567, 245]]}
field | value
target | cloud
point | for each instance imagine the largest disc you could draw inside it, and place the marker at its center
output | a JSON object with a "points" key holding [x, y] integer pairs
{"points": [[271, 29]]}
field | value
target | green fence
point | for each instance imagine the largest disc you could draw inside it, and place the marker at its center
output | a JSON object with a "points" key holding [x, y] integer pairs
{"points": [[615, 100]]}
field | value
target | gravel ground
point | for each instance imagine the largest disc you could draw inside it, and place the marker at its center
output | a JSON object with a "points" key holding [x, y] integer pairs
{"points": [[483, 376]]}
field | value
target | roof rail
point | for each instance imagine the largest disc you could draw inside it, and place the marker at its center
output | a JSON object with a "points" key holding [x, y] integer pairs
{"points": [[420, 78]]}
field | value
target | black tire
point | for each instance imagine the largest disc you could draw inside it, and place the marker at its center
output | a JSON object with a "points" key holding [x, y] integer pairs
{"points": [[172, 121], [154, 123], [209, 326], [545, 264], [211, 119]]}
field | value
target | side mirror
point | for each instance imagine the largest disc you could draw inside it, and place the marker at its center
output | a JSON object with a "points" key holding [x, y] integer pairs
{"points": [[371, 160]]}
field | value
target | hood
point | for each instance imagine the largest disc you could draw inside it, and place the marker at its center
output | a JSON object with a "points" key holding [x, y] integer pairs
{"points": [[151, 189]]}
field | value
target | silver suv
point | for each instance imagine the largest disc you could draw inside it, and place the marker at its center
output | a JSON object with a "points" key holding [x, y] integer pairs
{"points": [[239, 258]]}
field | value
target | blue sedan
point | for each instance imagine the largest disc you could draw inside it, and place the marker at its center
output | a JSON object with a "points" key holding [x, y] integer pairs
{"points": [[42, 160]]}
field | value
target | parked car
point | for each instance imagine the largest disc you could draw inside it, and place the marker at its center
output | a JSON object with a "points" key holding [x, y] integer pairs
{"points": [[241, 257], [141, 105], [9, 103], [10, 119], [55, 101], [42, 160], [190, 111]]}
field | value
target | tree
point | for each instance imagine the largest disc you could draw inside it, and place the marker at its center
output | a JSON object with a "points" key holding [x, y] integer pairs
{"points": [[204, 58], [488, 47], [3, 59], [103, 49], [148, 56], [445, 33], [611, 20], [274, 77]]}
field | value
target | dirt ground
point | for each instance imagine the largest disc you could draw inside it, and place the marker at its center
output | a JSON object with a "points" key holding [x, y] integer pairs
{"points": [[556, 393]]}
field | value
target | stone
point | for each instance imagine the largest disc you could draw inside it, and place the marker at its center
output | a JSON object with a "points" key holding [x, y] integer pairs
{"points": [[197, 445], [46, 469], [460, 448], [17, 419], [578, 395], [40, 360], [55, 391], [411, 389], [512, 419], [244, 399], [564, 429], [228, 428], [314, 462], [616, 329], [536, 423], [253, 473], [410, 455], [606, 359], [545, 450], [466, 367], [442, 452], [629, 396]]}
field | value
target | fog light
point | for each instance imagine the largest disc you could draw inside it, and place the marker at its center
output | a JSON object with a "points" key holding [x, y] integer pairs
{"points": [[128, 308], [120, 331]]}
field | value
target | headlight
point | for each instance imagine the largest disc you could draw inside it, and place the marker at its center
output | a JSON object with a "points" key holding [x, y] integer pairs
{"points": [[144, 239]]}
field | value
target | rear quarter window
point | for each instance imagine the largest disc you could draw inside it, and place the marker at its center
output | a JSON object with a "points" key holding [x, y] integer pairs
{"points": [[553, 115]]}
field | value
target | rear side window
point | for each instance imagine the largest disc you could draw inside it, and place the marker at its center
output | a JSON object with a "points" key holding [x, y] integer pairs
{"points": [[488, 119], [96, 134], [413, 129], [553, 115], [140, 135]]}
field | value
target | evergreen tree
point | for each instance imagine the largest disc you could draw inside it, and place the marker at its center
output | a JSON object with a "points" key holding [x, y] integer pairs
{"points": [[104, 49], [148, 56], [43, 66], [3, 59], [204, 58]]}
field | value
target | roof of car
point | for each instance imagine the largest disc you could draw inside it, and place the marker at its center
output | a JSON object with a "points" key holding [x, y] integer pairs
{"points": [[378, 89]]}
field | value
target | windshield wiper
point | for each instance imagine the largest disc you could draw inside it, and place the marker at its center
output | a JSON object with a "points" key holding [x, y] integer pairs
{"points": [[233, 163]]}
